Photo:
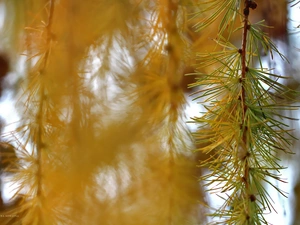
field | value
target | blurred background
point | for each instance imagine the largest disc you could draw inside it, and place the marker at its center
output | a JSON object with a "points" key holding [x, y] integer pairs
{"points": [[116, 51]]}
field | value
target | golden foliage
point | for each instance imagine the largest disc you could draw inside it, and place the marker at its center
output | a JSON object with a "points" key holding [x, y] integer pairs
{"points": [[102, 137]]}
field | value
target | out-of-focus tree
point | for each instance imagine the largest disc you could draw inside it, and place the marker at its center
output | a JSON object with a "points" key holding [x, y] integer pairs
{"points": [[102, 136]]}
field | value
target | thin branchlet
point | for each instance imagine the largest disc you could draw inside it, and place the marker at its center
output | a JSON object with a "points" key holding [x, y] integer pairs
{"points": [[243, 100], [40, 145]]}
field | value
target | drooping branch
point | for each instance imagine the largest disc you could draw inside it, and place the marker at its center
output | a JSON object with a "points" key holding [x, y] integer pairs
{"points": [[245, 129]]}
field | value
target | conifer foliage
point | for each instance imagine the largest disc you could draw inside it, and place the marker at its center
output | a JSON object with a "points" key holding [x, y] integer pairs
{"points": [[102, 136]]}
